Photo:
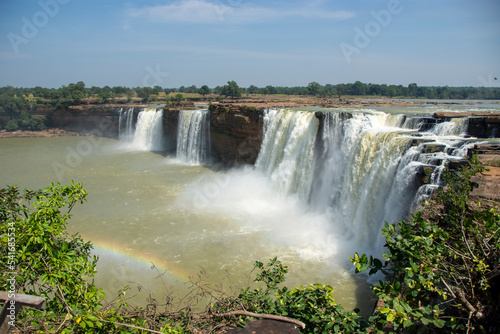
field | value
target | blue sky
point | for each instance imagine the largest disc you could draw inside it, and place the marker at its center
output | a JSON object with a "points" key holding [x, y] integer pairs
{"points": [[171, 43]]}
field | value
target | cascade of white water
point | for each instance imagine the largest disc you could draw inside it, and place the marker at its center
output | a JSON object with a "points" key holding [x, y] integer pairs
{"points": [[356, 174], [412, 123], [455, 150], [121, 120], [455, 127], [287, 151], [148, 135], [360, 168], [193, 136], [126, 125]]}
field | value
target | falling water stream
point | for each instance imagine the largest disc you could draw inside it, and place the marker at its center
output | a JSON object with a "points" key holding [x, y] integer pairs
{"points": [[193, 138]]}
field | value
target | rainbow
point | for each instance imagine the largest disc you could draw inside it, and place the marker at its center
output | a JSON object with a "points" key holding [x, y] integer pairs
{"points": [[140, 260]]}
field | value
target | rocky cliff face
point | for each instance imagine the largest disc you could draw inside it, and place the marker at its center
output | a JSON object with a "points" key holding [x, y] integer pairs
{"points": [[170, 126], [235, 134], [484, 127], [102, 124]]}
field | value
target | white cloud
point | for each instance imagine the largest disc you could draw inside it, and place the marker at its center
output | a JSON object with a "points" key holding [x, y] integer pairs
{"points": [[203, 11]]}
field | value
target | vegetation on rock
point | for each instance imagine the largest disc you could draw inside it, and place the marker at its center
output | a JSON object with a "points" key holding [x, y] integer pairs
{"points": [[26, 122]]}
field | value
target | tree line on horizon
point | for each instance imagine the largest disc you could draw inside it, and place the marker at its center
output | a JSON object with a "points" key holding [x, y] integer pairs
{"points": [[14, 100]]}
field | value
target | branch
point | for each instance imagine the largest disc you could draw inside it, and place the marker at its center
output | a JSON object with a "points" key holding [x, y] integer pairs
{"points": [[461, 296], [132, 326], [259, 315]]}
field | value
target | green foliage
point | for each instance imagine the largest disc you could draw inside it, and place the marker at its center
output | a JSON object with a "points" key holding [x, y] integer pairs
{"points": [[204, 90], [179, 97], [12, 104], [60, 267], [231, 89], [314, 305], [12, 125], [314, 88], [26, 122], [439, 272]]}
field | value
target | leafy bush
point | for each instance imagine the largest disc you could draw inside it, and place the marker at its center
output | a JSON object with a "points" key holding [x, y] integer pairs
{"points": [[26, 122], [12, 125], [37, 124], [60, 267], [313, 305]]}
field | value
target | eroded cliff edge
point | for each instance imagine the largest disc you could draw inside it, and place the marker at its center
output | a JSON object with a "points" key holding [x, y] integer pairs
{"points": [[235, 133]]}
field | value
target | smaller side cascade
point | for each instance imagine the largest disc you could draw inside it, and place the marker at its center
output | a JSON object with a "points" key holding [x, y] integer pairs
{"points": [[193, 136]]}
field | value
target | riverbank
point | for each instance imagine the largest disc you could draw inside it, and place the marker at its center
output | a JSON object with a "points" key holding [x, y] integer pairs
{"points": [[35, 134]]}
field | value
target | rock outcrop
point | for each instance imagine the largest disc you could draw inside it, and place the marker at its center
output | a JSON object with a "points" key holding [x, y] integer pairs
{"points": [[235, 134], [102, 124], [170, 128]]}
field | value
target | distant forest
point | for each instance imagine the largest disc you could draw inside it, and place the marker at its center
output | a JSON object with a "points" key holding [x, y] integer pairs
{"points": [[14, 100]]}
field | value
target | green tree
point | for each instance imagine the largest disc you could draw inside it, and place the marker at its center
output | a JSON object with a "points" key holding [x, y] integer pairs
{"points": [[218, 90], [144, 93], [270, 90], [12, 105], [253, 89], [412, 89], [314, 88], [358, 88], [340, 90], [231, 89], [204, 90], [156, 90], [179, 97]]}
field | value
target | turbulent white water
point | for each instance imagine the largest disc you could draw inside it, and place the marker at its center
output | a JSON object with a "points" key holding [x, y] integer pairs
{"points": [[455, 127], [357, 168], [193, 136], [148, 133], [287, 151]]}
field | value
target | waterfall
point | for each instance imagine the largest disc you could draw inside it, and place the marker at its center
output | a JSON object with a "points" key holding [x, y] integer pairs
{"points": [[455, 127], [193, 136], [287, 151], [358, 178], [126, 125], [359, 168], [148, 134]]}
